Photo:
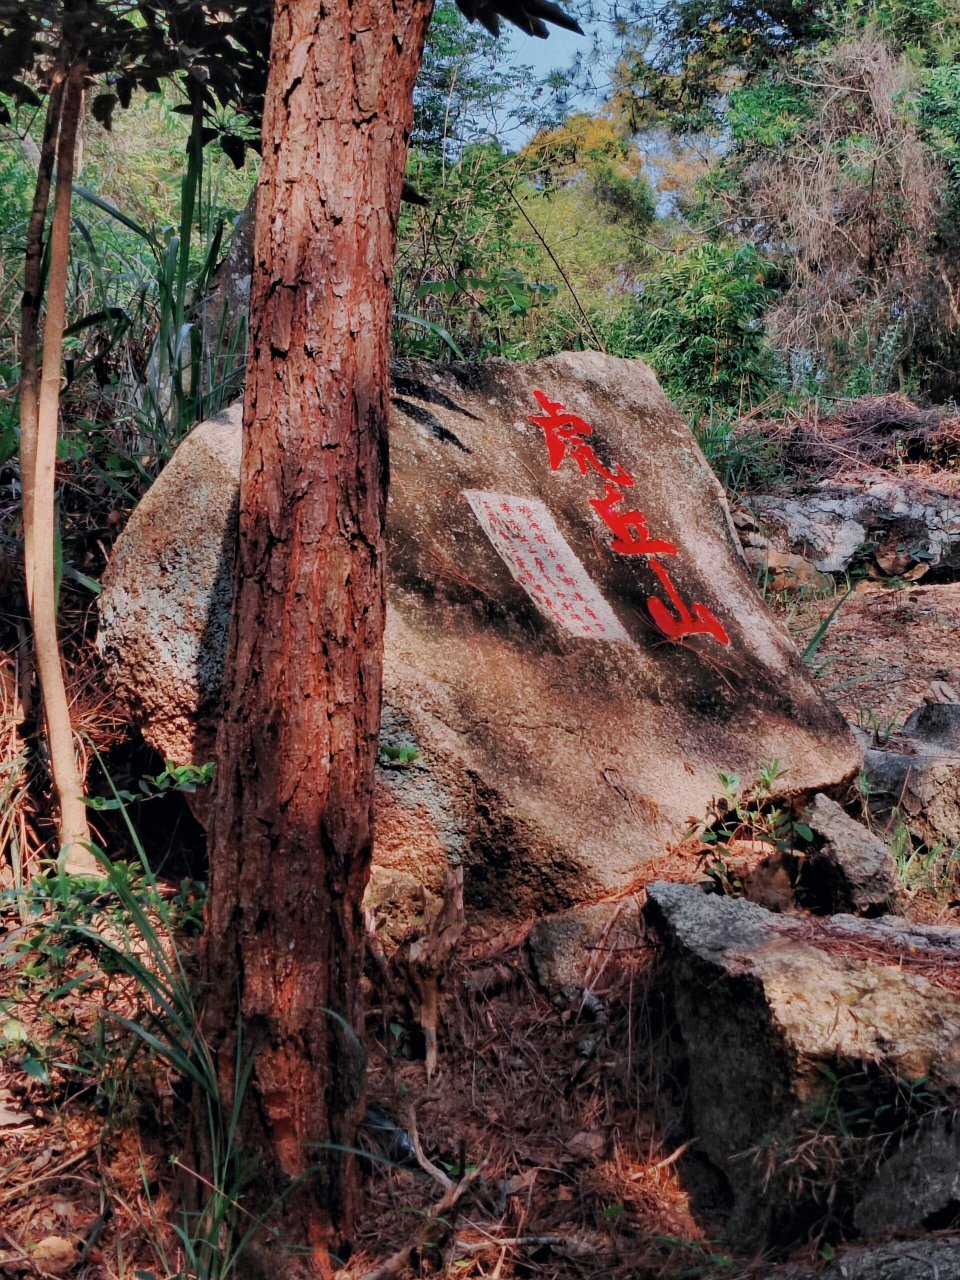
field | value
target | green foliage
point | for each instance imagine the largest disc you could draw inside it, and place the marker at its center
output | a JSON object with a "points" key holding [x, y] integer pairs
{"points": [[813, 644], [921, 24], [624, 199], [600, 259], [487, 267], [456, 92], [939, 116], [16, 190], [219, 65], [684, 57], [184, 778], [138, 164], [698, 321], [929, 870], [872, 359], [592, 155], [752, 813], [140, 366], [461, 263], [109, 938], [833, 130], [767, 113], [398, 757], [741, 459], [15, 197], [467, 92]]}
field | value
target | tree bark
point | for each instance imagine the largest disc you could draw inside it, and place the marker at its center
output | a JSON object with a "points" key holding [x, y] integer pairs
{"points": [[38, 466], [30, 319], [292, 831]]}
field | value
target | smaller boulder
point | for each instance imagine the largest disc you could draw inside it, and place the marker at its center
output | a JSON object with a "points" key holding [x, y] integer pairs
{"points": [[568, 950], [919, 1186], [815, 1051], [918, 773], [849, 868], [784, 571], [935, 728]]}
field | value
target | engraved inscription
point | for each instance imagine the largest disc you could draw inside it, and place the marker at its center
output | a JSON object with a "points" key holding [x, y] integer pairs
{"points": [[525, 536]]}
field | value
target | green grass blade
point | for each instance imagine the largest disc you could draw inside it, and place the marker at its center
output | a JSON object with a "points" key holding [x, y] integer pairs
{"points": [[431, 326], [810, 652], [124, 219]]}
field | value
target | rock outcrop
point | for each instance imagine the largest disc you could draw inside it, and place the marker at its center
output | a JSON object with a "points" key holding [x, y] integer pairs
{"points": [[901, 527], [923, 1259], [849, 868], [823, 1058], [573, 648]]}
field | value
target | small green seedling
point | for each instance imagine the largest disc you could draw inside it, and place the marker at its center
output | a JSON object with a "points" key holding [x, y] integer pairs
{"points": [[398, 757]]}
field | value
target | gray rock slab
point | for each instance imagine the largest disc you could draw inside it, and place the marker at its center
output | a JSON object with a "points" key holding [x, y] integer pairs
{"points": [[564, 738], [918, 773], [853, 867], [917, 1185], [926, 1258], [935, 729], [783, 1016]]}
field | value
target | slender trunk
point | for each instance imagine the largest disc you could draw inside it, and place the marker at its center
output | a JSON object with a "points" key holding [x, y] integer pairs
{"points": [[42, 590], [30, 321], [292, 834]]}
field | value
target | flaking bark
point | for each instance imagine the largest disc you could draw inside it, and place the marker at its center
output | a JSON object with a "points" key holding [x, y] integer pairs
{"points": [[292, 832]]}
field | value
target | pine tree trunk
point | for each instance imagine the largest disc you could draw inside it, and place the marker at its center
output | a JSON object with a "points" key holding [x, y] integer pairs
{"points": [[292, 833]]}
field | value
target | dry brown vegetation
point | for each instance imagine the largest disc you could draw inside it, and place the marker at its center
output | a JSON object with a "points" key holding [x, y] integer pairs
{"points": [[554, 1123], [856, 437], [851, 205]]}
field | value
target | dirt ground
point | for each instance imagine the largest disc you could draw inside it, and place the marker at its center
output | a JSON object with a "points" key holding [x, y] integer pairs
{"points": [[558, 1126], [547, 1117], [884, 649]]}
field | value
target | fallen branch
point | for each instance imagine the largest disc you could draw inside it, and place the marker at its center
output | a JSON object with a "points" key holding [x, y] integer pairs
{"points": [[434, 1234], [568, 1244], [665, 1163], [425, 1164]]}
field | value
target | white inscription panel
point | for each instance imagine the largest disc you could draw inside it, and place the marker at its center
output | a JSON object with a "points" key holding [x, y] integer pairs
{"points": [[525, 536]]}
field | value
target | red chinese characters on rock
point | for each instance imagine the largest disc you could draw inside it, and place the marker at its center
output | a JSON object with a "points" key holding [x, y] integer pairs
{"points": [[566, 434], [630, 535]]}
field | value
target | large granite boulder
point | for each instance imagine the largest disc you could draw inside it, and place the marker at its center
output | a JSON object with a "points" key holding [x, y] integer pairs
{"points": [[823, 1062], [574, 647]]}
